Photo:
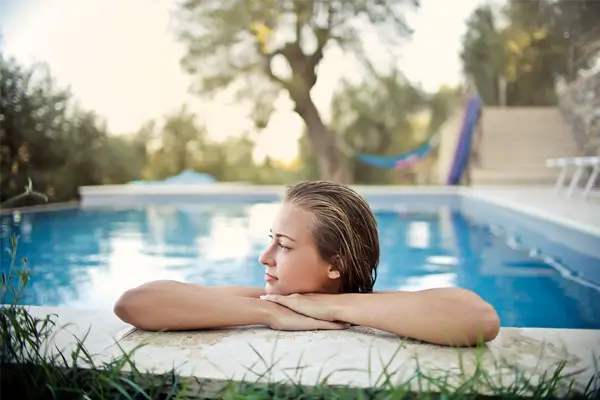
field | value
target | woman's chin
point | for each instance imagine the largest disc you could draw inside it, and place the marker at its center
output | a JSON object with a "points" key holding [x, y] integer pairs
{"points": [[273, 289]]}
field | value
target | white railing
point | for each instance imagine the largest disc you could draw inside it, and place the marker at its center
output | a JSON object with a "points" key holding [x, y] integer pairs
{"points": [[580, 164]]}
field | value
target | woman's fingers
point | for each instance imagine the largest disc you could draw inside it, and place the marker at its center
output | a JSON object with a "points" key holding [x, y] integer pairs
{"points": [[286, 301], [295, 314], [279, 299], [275, 298]]}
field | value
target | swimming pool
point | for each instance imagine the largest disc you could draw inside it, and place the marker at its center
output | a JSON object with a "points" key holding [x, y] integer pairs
{"points": [[85, 258]]}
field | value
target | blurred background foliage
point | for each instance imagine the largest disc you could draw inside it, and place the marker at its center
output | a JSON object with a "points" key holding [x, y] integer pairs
{"points": [[48, 137]]}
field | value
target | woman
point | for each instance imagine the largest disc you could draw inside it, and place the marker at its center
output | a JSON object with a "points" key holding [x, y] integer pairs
{"points": [[320, 268]]}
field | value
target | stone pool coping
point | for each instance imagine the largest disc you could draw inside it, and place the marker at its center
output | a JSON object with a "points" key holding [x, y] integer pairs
{"points": [[356, 357]]}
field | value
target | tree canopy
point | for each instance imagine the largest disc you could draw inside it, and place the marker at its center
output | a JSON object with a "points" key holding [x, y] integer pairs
{"points": [[44, 135], [529, 45], [261, 47]]}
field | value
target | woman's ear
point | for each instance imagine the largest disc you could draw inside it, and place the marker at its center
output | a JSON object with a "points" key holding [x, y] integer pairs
{"points": [[333, 271]]}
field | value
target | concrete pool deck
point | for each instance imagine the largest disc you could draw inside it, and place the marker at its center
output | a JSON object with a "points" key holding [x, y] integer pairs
{"points": [[543, 203], [354, 357]]}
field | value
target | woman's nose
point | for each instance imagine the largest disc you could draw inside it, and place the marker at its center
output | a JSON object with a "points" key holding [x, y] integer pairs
{"points": [[266, 258]]}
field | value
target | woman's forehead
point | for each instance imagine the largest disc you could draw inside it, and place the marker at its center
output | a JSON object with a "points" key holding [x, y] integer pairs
{"points": [[292, 221]]}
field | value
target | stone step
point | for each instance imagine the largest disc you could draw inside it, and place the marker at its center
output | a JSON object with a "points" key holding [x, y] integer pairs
{"points": [[491, 176], [516, 143], [502, 153], [528, 168], [499, 135], [521, 160], [525, 122], [525, 132], [525, 114], [540, 151]]}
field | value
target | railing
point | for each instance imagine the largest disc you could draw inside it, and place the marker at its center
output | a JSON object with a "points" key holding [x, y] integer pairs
{"points": [[580, 105]]}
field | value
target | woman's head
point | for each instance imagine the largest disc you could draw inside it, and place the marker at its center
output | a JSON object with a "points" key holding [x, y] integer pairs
{"points": [[324, 240]]}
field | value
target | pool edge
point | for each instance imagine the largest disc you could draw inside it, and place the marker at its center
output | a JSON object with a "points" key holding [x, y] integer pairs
{"points": [[223, 354]]}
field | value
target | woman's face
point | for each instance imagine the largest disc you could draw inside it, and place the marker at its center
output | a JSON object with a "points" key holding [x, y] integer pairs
{"points": [[292, 261]]}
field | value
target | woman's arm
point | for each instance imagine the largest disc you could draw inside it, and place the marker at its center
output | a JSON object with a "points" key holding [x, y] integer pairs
{"points": [[174, 306], [171, 305], [446, 316]]}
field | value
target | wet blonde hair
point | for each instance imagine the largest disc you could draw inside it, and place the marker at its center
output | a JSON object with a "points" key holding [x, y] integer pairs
{"points": [[344, 230]]}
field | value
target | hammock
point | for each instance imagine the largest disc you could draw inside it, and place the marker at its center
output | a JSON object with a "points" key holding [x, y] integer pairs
{"points": [[399, 161], [408, 159]]}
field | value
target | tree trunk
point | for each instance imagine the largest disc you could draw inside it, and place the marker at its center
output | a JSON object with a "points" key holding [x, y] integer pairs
{"points": [[331, 162]]}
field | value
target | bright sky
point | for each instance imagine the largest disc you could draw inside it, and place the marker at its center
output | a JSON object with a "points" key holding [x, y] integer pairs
{"points": [[121, 60]]}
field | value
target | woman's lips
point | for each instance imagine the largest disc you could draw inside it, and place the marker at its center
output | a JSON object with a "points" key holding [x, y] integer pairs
{"points": [[270, 278]]}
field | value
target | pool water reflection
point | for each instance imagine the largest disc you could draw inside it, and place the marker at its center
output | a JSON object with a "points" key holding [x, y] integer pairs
{"points": [[87, 258]]}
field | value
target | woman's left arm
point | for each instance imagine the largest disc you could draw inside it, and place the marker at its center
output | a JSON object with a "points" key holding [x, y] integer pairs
{"points": [[446, 316]]}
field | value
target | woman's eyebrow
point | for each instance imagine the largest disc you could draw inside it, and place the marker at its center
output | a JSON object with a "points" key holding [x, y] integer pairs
{"points": [[282, 235]]}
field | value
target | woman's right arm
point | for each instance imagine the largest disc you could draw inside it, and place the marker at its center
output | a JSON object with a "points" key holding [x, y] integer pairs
{"points": [[177, 306], [171, 305]]}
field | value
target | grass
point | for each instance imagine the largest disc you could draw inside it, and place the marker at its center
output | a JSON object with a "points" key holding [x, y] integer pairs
{"points": [[31, 369]]}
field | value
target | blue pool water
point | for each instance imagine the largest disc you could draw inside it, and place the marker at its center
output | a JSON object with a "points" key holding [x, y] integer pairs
{"points": [[87, 258]]}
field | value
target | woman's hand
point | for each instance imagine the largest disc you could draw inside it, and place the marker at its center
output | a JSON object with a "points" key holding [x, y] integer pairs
{"points": [[285, 319], [317, 306]]}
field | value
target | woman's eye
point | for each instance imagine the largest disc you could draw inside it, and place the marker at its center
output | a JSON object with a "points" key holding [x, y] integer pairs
{"points": [[279, 244]]}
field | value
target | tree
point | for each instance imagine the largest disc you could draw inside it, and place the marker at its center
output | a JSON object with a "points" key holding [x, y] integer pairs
{"points": [[47, 137], [237, 43], [540, 41], [181, 136], [182, 141], [80, 153], [122, 158], [32, 121], [482, 53], [578, 22], [525, 53]]}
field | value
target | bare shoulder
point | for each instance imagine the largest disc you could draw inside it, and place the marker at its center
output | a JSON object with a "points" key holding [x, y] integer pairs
{"points": [[239, 291]]}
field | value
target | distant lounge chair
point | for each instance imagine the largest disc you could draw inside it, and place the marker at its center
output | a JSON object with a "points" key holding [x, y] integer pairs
{"points": [[580, 163]]}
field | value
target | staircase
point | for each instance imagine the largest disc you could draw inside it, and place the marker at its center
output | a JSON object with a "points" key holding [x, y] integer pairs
{"points": [[516, 143]]}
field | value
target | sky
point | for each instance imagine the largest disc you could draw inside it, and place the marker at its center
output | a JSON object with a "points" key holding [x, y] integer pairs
{"points": [[121, 59]]}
